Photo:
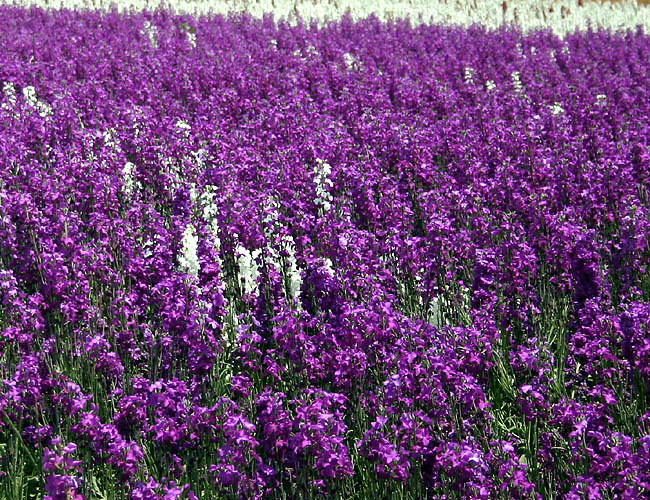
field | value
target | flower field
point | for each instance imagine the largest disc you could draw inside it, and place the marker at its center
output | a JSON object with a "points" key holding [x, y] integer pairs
{"points": [[368, 258]]}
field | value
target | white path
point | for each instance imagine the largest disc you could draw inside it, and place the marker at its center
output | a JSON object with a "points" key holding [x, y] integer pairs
{"points": [[562, 16]]}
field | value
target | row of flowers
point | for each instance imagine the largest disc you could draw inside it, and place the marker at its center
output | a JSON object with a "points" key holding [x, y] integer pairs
{"points": [[562, 16]]}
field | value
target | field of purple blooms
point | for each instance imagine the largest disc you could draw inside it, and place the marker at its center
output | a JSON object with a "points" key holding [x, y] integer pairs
{"points": [[242, 259]]}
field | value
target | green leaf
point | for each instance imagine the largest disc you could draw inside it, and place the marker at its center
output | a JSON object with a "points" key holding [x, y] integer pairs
{"points": [[187, 27]]}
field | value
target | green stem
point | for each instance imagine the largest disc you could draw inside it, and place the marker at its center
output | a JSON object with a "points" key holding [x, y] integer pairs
{"points": [[20, 438]]}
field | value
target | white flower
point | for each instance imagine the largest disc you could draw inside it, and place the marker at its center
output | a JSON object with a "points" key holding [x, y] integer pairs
{"points": [[210, 213], [293, 272], [248, 270], [532, 15], [182, 124], [147, 249], [150, 31], [556, 108], [110, 140], [191, 38], [295, 277], [436, 314], [129, 182], [469, 75], [206, 200], [329, 267], [29, 93], [279, 242], [490, 85], [351, 62], [189, 260], [323, 183], [185, 127], [174, 169], [309, 51], [10, 92], [516, 82]]}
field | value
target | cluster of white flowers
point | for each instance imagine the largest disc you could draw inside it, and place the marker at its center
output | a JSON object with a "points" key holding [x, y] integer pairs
{"points": [[322, 172], [184, 126], [29, 93], [173, 168], [520, 50], [136, 113], [194, 194], [210, 211], [191, 39], [246, 259], [351, 62], [282, 243], [308, 52], [295, 278], [148, 245], [43, 108], [329, 267], [564, 17], [110, 140], [200, 157], [9, 91], [469, 75], [9, 105], [129, 182], [516, 82], [151, 32], [490, 85], [435, 315], [248, 270], [204, 201], [189, 259], [556, 108]]}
